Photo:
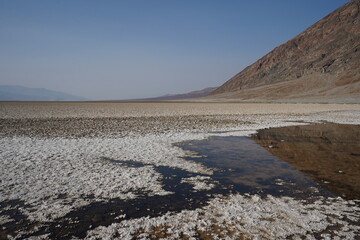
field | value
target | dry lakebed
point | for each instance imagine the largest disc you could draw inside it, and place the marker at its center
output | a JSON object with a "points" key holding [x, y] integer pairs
{"points": [[179, 170]]}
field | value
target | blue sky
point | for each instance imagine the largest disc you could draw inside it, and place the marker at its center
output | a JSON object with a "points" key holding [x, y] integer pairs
{"points": [[143, 48]]}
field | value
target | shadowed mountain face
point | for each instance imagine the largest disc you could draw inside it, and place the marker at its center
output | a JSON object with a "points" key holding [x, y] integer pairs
{"points": [[19, 93], [322, 63]]}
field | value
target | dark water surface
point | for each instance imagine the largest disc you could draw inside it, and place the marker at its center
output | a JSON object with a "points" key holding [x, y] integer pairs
{"points": [[249, 168]]}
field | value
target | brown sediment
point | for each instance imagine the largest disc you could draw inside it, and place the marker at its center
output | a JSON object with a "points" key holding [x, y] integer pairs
{"points": [[111, 126], [46, 110], [328, 153]]}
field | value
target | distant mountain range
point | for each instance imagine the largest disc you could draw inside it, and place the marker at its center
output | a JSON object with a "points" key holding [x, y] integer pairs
{"points": [[20, 93], [183, 96], [320, 64]]}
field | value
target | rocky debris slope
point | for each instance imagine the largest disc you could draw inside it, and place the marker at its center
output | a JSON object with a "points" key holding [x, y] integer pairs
{"points": [[320, 63]]}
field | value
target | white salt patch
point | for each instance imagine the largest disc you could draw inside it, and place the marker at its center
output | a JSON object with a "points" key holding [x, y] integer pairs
{"points": [[5, 219], [279, 182], [200, 182]]}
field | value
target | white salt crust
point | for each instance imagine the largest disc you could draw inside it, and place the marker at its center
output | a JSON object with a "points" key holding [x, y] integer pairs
{"points": [[37, 171], [246, 216], [200, 182]]}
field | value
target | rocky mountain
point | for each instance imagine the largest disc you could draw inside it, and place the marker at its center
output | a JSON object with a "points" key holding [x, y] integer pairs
{"points": [[320, 64], [20, 93]]}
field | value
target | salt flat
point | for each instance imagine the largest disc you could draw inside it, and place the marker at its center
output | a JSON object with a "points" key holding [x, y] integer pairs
{"points": [[138, 109], [54, 160]]}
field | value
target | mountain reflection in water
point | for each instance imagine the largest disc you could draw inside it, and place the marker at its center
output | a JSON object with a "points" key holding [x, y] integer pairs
{"points": [[328, 153]]}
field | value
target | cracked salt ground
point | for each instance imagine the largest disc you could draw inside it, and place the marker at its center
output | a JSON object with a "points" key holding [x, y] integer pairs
{"points": [[180, 196], [311, 212], [77, 222], [27, 161], [245, 217], [50, 178]]}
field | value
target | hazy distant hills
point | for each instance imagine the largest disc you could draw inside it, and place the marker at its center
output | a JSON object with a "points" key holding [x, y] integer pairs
{"points": [[320, 64], [182, 96], [19, 93]]}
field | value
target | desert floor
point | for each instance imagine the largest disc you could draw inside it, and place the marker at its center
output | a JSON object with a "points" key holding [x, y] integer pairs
{"points": [[80, 170]]}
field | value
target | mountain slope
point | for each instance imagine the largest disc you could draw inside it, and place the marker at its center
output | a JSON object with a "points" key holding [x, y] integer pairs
{"points": [[322, 63], [20, 93]]}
